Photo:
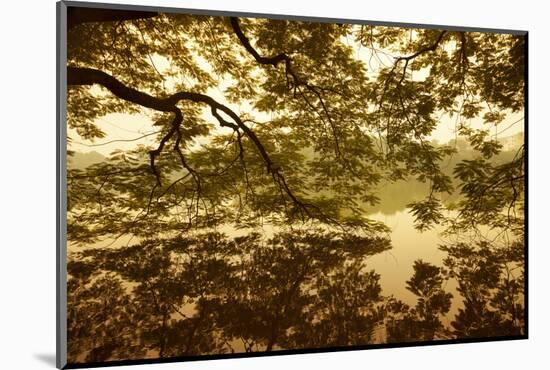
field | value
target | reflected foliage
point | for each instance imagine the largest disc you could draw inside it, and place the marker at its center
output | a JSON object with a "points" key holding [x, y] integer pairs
{"points": [[491, 281], [102, 319], [211, 294], [422, 322]]}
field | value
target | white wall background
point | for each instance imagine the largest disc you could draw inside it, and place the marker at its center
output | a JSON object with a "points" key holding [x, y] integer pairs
{"points": [[27, 185]]}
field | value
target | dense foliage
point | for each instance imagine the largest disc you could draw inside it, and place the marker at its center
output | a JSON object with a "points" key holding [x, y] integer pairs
{"points": [[292, 125]]}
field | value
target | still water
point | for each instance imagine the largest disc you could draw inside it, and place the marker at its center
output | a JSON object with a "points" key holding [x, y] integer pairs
{"points": [[395, 266], [408, 245]]}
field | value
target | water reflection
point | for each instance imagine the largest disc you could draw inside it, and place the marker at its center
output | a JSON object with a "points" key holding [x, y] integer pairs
{"points": [[408, 245], [209, 293]]}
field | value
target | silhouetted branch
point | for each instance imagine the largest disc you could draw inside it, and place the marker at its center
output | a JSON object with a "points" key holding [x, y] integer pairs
{"points": [[90, 76], [274, 61], [424, 49], [186, 166], [407, 59], [154, 153], [298, 82]]}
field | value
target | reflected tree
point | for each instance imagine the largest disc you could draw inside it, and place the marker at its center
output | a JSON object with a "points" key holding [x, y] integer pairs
{"points": [[102, 320], [491, 282], [422, 322], [211, 294], [346, 311]]}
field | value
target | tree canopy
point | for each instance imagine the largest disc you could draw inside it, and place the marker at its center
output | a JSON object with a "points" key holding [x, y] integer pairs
{"points": [[293, 124]]}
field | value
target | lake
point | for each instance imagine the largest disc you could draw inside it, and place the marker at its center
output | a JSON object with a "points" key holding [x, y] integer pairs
{"points": [[408, 245]]}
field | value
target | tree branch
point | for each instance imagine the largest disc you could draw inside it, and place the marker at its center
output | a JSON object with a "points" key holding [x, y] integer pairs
{"points": [[282, 57], [407, 59], [425, 49], [274, 61], [90, 76]]}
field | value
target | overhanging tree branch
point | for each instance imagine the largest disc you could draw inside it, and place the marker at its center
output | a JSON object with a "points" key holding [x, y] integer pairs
{"points": [[297, 82], [424, 50], [153, 154], [274, 61], [407, 59], [90, 76]]}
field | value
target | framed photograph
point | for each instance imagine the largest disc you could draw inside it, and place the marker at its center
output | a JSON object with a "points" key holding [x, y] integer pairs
{"points": [[236, 185]]}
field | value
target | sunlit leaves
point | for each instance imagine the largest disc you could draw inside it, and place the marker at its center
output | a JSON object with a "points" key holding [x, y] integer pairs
{"points": [[329, 106], [427, 213], [493, 194]]}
